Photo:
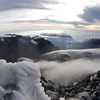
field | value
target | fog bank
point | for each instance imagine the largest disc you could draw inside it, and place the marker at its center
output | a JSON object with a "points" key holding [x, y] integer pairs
{"points": [[66, 72]]}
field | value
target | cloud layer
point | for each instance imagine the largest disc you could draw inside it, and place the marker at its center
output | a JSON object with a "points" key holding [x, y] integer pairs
{"points": [[32, 4]]}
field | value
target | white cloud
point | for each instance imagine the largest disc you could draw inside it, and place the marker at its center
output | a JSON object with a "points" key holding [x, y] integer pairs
{"points": [[60, 10], [65, 10], [69, 10]]}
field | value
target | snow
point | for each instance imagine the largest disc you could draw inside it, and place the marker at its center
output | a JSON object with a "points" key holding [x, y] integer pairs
{"points": [[26, 75]]}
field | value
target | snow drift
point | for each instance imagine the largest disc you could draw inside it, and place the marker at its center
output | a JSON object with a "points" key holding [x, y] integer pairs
{"points": [[25, 75]]}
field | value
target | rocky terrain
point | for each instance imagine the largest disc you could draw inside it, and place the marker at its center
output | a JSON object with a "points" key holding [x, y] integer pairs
{"points": [[85, 89], [14, 46]]}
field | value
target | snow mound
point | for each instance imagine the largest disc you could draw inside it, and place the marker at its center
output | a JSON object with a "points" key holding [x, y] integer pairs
{"points": [[20, 81]]}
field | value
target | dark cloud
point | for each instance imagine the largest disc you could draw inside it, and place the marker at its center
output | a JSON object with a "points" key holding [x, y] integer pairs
{"points": [[32, 4], [91, 14]]}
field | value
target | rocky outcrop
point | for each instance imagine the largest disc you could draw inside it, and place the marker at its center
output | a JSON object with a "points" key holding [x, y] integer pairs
{"points": [[85, 89], [13, 47], [44, 45]]}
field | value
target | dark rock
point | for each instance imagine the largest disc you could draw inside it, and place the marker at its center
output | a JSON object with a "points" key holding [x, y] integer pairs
{"points": [[85, 89], [44, 45], [8, 96], [13, 47]]}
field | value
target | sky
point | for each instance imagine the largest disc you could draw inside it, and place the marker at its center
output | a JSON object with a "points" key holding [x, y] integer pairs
{"points": [[25, 15]]}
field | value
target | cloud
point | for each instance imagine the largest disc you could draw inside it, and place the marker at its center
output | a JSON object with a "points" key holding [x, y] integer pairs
{"points": [[31, 4], [91, 14], [64, 73], [89, 20]]}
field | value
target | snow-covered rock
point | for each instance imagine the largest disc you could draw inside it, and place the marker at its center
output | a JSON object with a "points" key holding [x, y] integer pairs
{"points": [[15, 46], [25, 75]]}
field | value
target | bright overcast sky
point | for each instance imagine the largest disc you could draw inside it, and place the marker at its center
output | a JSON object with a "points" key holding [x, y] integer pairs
{"points": [[50, 14]]}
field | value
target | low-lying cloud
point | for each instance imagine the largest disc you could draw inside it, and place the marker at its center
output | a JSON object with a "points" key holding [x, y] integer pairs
{"points": [[64, 73]]}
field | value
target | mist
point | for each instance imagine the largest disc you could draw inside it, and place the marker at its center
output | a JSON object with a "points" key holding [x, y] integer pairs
{"points": [[70, 71]]}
